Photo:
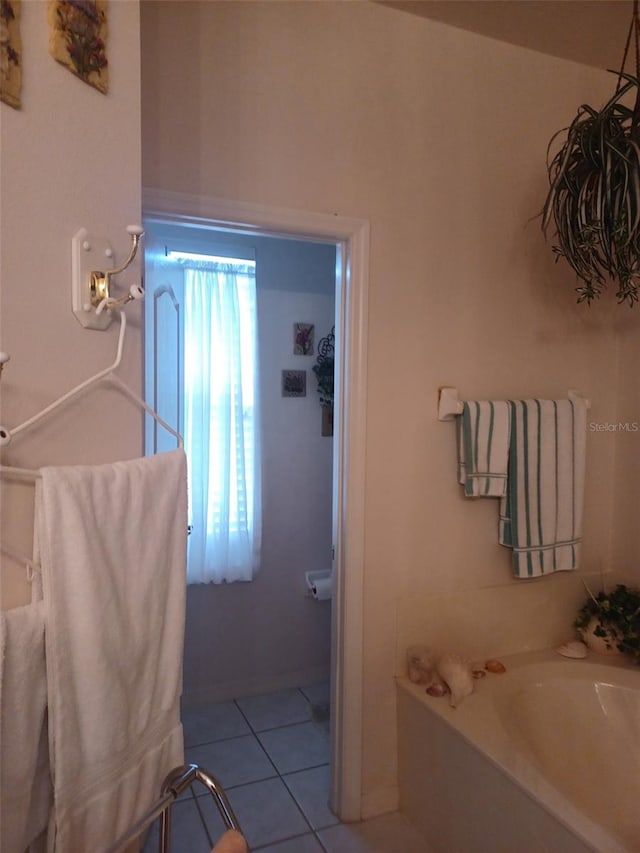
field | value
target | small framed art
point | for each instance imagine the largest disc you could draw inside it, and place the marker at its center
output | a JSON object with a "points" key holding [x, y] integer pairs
{"points": [[294, 383]]}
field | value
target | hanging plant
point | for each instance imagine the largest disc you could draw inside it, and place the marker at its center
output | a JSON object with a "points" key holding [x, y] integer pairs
{"points": [[594, 193]]}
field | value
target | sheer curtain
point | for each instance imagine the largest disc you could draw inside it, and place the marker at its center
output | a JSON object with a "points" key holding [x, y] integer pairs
{"points": [[221, 422]]}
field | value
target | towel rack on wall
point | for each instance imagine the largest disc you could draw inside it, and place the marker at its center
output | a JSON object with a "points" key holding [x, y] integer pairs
{"points": [[449, 405]]}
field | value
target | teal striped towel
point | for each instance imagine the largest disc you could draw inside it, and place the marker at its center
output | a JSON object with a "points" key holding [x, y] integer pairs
{"points": [[483, 448], [541, 513]]}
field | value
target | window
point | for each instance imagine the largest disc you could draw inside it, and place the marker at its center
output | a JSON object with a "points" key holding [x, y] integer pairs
{"points": [[221, 419]]}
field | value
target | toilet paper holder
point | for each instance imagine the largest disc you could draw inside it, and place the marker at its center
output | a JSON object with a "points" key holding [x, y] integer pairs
{"points": [[317, 581]]}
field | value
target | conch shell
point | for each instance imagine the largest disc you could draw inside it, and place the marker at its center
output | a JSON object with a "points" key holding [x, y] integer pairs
{"points": [[457, 674]]}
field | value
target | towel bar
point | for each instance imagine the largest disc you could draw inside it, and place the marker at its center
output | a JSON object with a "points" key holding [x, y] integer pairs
{"points": [[175, 783], [449, 405]]}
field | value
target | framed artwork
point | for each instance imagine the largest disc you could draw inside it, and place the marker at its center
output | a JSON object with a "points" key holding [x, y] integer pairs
{"points": [[10, 53], [78, 38], [303, 338], [294, 383]]}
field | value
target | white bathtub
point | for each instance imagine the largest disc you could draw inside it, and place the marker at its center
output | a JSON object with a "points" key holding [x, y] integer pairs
{"points": [[542, 759]]}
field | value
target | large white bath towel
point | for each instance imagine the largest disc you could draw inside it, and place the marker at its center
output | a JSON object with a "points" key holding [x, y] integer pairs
{"points": [[483, 447], [25, 784], [541, 515], [113, 551]]}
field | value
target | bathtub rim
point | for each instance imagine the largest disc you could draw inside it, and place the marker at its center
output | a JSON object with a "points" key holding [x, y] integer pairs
{"points": [[473, 721]]}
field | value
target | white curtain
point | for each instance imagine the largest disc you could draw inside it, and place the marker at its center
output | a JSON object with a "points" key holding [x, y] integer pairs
{"points": [[221, 423]]}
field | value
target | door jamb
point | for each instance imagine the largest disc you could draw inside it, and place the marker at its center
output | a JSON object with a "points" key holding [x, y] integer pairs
{"points": [[349, 444]]}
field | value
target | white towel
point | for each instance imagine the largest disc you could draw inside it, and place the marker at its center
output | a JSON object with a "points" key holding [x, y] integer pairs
{"points": [[25, 784], [483, 448], [113, 551], [541, 515]]}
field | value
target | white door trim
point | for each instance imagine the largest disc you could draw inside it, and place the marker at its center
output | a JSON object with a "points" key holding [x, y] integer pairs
{"points": [[349, 441]]}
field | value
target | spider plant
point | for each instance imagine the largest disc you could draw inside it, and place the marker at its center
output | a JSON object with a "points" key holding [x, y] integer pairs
{"points": [[594, 195]]}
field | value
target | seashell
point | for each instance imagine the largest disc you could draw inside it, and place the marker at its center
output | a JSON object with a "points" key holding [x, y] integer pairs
{"points": [[478, 673], [420, 664], [437, 689], [455, 671], [574, 649], [494, 665]]}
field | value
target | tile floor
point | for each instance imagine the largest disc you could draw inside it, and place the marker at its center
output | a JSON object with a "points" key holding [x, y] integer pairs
{"points": [[271, 755]]}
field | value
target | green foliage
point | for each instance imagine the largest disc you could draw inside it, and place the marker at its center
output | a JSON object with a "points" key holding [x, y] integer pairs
{"points": [[323, 370], [618, 613], [594, 196]]}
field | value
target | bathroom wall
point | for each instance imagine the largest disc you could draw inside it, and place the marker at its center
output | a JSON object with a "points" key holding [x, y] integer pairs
{"points": [[248, 638], [69, 158], [437, 137]]}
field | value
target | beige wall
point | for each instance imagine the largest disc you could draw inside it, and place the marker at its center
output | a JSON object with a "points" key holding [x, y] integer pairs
{"points": [[438, 138], [69, 158]]}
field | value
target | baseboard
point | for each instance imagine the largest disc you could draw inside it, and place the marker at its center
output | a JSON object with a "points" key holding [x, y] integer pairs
{"points": [[379, 802], [207, 694]]}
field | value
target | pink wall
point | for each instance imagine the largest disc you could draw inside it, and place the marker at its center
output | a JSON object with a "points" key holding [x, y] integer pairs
{"points": [[438, 138]]}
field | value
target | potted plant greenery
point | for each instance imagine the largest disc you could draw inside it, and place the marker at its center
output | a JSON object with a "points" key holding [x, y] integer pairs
{"points": [[594, 192], [324, 368], [610, 622]]}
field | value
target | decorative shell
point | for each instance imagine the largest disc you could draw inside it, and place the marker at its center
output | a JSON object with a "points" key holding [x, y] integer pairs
{"points": [[455, 671], [574, 649], [496, 666], [420, 664]]}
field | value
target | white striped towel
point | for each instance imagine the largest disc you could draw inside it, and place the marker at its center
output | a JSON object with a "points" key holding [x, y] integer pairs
{"points": [[483, 448], [541, 514]]}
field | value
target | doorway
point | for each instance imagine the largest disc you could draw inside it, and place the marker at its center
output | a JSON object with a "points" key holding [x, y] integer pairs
{"points": [[351, 239]]}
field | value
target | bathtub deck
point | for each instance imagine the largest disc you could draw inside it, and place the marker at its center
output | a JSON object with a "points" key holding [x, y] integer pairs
{"points": [[466, 787]]}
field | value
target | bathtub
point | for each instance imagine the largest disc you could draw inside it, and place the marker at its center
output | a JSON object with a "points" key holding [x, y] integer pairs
{"points": [[542, 759]]}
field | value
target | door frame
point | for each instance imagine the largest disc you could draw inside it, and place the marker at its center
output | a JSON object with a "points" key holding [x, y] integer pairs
{"points": [[352, 235]]}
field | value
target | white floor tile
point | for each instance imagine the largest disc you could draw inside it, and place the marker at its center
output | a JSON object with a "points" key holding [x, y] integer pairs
{"points": [[386, 834], [302, 844], [310, 789], [188, 834], [266, 811], [232, 762], [296, 747], [275, 709], [215, 722]]}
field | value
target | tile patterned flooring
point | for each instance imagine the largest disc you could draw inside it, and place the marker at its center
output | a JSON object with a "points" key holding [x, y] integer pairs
{"points": [[271, 755]]}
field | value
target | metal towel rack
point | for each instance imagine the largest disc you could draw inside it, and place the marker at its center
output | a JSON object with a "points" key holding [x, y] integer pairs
{"points": [[175, 783], [449, 405]]}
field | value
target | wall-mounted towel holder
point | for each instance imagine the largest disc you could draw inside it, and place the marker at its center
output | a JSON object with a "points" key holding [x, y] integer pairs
{"points": [[449, 404], [92, 299]]}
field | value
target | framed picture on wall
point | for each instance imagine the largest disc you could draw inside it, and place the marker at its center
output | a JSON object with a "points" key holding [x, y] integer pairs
{"points": [[10, 53], [294, 383], [303, 338]]}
